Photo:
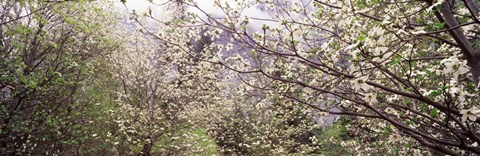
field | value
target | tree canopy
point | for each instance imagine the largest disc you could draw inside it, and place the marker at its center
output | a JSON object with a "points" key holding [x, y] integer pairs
{"points": [[228, 77]]}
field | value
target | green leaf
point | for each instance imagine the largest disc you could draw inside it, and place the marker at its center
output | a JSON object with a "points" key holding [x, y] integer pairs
{"points": [[409, 122], [252, 53], [396, 61], [265, 27], [443, 88], [434, 93], [361, 38], [177, 21], [419, 20], [434, 113], [438, 26]]}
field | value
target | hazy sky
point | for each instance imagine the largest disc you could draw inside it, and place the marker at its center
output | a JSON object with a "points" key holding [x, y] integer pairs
{"points": [[142, 6], [205, 5], [139, 5]]}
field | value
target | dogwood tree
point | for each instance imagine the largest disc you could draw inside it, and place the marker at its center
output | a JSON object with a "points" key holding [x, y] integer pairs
{"points": [[409, 68], [157, 94]]}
